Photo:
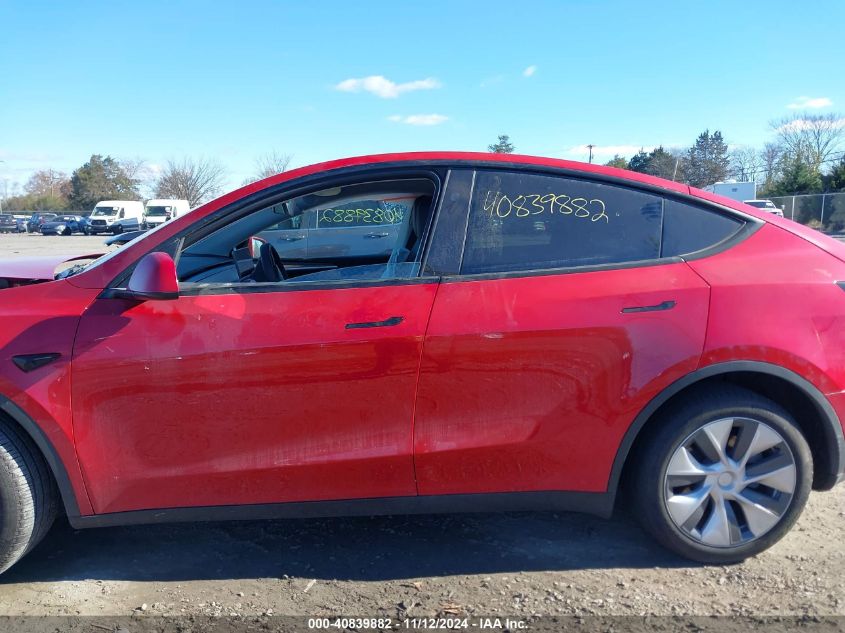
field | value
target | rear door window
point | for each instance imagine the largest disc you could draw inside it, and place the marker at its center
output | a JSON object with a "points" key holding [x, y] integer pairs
{"points": [[531, 221]]}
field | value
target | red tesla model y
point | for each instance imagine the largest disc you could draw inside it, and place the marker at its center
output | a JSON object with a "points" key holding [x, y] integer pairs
{"points": [[432, 332]]}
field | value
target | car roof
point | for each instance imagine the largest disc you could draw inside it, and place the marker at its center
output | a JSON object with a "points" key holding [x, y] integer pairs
{"points": [[471, 159]]}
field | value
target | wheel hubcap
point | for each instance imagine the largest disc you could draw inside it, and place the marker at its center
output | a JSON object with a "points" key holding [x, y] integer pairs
{"points": [[730, 482]]}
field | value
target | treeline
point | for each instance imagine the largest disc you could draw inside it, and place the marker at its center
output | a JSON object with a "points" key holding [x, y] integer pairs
{"points": [[804, 156], [106, 178]]}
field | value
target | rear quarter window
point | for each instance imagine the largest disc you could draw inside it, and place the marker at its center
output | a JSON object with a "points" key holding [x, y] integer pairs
{"points": [[688, 229]]}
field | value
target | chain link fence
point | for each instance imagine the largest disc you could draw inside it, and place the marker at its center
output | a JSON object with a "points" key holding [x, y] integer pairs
{"points": [[824, 211]]}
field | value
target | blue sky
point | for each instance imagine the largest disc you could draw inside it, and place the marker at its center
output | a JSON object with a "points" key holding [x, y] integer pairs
{"points": [[158, 80]]}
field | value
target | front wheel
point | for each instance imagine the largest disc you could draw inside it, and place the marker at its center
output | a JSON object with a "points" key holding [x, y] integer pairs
{"points": [[27, 496], [723, 477]]}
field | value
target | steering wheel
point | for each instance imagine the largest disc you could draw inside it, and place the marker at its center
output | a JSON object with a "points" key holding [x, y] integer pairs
{"points": [[270, 267]]}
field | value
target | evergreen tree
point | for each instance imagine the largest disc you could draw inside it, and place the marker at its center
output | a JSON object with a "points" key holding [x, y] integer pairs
{"points": [[661, 163], [101, 179], [798, 178], [639, 162], [502, 146], [617, 161], [707, 160], [835, 180]]}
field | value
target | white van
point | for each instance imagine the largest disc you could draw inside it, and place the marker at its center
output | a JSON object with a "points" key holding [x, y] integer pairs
{"points": [[115, 216], [159, 211]]}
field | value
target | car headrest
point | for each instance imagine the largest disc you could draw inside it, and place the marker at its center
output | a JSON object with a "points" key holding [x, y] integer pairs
{"points": [[419, 215]]}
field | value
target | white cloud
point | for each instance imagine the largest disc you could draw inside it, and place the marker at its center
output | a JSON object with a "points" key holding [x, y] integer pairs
{"points": [[491, 81], [528, 72], [419, 119], [605, 150], [797, 125], [802, 103], [383, 87]]}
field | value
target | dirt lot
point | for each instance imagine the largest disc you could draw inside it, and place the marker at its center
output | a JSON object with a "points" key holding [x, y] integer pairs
{"points": [[478, 565]]}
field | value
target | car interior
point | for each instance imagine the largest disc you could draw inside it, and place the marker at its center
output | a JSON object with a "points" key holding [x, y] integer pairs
{"points": [[364, 231]]}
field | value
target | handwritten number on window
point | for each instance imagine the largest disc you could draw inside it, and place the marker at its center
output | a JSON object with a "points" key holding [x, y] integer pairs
{"points": [[497, 204]]}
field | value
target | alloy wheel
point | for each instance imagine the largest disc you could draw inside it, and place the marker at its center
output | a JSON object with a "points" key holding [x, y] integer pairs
{"points": [[730, 482]]}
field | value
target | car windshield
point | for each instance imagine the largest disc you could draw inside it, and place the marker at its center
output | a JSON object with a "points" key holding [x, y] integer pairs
{"points": [[761, 204], [67, 218], [158, 210], [99, 211]]}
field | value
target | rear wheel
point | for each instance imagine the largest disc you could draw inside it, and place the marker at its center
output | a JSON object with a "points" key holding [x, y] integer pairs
{"points": [[27, 496], [725, 475]]}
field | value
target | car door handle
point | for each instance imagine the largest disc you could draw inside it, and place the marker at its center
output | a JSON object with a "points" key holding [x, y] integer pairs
{"points": [[293, 238], [666, 305], [375, 235], [394, 320]]}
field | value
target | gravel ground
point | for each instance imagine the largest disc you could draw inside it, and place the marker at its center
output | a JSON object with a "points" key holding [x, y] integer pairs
{"points": [[477, 565]]}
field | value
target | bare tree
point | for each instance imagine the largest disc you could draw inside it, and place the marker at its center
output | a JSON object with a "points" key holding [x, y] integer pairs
{"points": [[810, 138], [771, 159], [269, 164], [196, 181], [746, 163], [48, 182], [142, 173]]}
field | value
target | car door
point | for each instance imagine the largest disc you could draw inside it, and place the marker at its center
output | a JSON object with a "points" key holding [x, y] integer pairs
{"points": [[250, 393], [566, 318]]}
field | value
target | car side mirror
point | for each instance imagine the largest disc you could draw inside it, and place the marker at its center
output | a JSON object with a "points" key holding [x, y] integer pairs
{"points": [[154, 278]]}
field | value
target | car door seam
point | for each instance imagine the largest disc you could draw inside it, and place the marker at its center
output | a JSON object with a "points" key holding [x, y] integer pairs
{"points": [[417, 386]]}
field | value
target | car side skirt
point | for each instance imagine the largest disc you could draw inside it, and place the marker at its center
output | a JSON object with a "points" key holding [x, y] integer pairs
{"points": [[596, 503]]}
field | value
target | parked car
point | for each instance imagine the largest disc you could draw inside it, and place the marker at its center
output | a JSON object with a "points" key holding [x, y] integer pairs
{"points": [[115, 216], [159, 211], [766, 205], [122, 238], [63, 225], [8, 224], [653, 344], [21, 224], [33, 225]]}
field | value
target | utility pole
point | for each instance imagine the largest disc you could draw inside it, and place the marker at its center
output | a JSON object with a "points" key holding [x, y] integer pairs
{"points": [[591, 152]]}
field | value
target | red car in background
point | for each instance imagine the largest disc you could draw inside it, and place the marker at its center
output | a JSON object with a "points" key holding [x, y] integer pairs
{"points": [[529, 333]]}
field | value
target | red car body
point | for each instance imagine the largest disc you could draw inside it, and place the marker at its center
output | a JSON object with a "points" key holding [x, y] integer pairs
{"points": [[511, 390]]}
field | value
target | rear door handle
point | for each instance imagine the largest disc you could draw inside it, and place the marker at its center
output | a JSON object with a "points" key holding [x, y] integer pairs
{"points": [[394, 320], [293, 238], [666, 305], [373, 235]]}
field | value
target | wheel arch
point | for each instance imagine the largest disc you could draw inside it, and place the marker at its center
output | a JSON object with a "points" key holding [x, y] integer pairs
{"points": [[19, 417], [816, 417]]}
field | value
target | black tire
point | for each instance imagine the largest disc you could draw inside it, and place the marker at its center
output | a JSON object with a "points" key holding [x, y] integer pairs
{"points": [[675, 425], [28, 496], [117, 229]]}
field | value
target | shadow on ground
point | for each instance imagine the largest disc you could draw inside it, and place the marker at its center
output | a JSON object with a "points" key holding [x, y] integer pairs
{"points": [[377, 548]]}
